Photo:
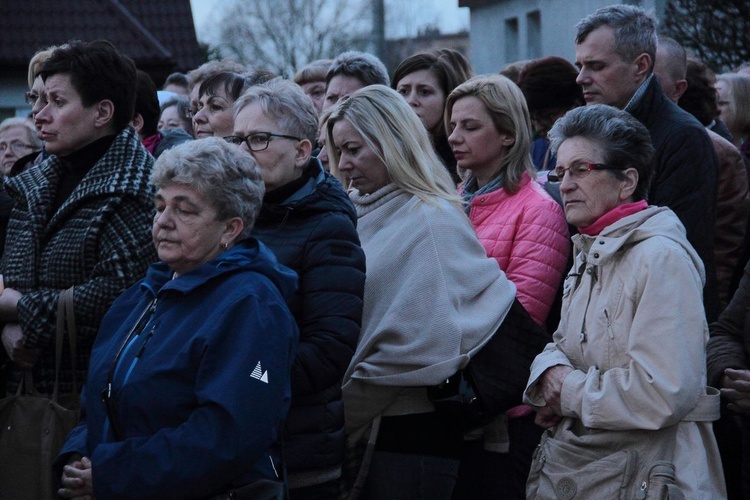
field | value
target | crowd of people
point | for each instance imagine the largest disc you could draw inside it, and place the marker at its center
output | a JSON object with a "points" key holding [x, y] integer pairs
{"points": [[269, 274]]}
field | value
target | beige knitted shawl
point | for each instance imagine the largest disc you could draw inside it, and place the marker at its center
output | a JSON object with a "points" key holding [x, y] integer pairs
{"points": [[432, 299]]}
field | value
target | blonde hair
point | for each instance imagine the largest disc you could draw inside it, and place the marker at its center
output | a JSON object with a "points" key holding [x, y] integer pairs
{"points": [[739, 101], [36, 63], [506, 105], [395, 134]]}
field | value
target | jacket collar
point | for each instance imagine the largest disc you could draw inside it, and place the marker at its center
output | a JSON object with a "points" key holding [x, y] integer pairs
{"points": [[124, 169], [248, 254], [647, 100]]}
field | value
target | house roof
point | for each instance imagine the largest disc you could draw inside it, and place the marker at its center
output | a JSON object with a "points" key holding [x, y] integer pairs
{"points": [[153, 33]]}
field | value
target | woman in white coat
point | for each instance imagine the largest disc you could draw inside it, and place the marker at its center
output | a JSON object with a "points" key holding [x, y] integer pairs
{"points": [[622, 387]]}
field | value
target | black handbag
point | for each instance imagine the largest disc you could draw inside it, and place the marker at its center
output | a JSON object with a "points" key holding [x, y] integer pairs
{"points": [[495, 378]]}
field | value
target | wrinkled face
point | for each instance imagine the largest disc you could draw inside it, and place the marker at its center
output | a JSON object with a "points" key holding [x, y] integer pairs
{"points": [[214, 116], [726, 103], [317, 92], [65, 124], [587, 197], [422, 91], [170, 118], [186, 231], [339, 87], [604, 76], [282, 161], [474, 139], [360, 165], [14, 144]]}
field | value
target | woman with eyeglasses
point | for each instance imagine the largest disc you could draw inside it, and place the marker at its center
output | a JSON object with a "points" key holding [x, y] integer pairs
{"points": [[309, 223], [622, 387], [521, 227], [17, 139]]}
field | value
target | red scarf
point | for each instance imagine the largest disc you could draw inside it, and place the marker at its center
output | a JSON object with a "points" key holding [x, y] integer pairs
{"points": [[617, 213], [151, 142]]}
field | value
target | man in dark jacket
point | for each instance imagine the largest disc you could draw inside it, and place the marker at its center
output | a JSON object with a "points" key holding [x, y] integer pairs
{"points": [[615, 52]]}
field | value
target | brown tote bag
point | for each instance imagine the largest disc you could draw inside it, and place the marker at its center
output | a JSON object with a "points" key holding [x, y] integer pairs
{"points": [[33, 428]]}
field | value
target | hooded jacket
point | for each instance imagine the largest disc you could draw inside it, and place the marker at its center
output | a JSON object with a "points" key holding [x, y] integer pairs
{"points": [[201, 392], [313, 232], [634, 330]]}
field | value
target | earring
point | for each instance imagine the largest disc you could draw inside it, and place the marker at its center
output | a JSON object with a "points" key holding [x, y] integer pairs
{"points": [[224, 246]]}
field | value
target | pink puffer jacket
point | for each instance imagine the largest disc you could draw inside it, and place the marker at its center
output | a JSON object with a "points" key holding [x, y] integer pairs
{"points": [[527, 234]]}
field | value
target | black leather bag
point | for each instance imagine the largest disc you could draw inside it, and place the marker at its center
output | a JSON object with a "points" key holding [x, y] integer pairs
{"points": [[495, 378]]}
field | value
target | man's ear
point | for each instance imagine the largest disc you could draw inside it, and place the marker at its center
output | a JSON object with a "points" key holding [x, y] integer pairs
{"points": [[644, 65], [105, 113], [680, 88]]}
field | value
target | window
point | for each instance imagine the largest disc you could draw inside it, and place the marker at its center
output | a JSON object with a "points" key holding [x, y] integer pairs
{"points": [[534, 34], [511, 40]]}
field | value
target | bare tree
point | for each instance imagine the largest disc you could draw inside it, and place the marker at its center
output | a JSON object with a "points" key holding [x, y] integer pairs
{"points": [[718, 31], [284, 35]]}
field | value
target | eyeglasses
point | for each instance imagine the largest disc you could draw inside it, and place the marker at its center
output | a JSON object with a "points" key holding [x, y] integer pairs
{"points": [[30, 98], [577, 170], [15, 147], [257, 141]]}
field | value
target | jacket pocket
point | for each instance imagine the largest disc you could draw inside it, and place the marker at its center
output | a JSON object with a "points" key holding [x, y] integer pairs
{"points": [[560, 471], [660, 483]]}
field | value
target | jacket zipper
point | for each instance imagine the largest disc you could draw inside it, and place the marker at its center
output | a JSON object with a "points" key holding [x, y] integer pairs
{"points": [[107, 397]]}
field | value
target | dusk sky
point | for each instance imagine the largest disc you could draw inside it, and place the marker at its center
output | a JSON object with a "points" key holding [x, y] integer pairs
{"points": [[414, 15]]}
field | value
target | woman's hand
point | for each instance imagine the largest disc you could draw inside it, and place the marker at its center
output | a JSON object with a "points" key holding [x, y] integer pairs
{"points": [[9, 305], [23, 357], [735, 387], [550, 385], [76, 480]]}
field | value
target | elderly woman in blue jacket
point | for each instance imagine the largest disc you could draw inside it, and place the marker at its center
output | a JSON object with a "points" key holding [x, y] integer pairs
{"points": [[189, 377]]}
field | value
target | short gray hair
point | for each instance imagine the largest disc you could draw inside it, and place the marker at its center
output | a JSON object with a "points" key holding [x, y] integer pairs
{"points": [[25, 123], [365, 67], [285, 102], [625, 141], [676, 62], [225, 174], [634, 30]]}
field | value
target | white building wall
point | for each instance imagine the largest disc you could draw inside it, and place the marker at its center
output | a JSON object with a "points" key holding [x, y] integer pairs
{"points": [[12, 91], [489, 37]]}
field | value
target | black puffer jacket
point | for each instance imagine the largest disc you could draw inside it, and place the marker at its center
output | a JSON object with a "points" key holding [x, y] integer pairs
{"points": [[313, 231]]}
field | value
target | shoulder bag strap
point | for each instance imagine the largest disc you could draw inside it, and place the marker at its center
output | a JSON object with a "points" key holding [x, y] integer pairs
{"points": [[64, 315]]}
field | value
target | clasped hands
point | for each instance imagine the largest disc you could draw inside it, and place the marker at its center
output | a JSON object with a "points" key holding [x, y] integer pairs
{"points": [[735, 388], [550, 385], [76, 480]]}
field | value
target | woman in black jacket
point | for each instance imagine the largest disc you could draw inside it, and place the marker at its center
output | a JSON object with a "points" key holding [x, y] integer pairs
{"points": [[309, 223]]}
